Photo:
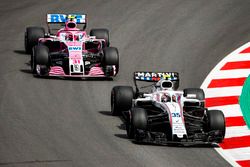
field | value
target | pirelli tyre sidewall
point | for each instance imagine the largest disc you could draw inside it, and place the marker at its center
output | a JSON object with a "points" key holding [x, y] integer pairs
{"points": [[195, 93], [40, 60], [216, 121], [121, 99], [199, 93], [31, 37]]}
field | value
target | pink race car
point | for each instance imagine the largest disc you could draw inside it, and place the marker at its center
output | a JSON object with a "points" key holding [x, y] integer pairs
{"points": [[68, 51]]}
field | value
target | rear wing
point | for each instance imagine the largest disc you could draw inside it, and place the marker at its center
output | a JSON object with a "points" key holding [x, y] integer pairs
{"points": [[156, 76], [57, 21]]}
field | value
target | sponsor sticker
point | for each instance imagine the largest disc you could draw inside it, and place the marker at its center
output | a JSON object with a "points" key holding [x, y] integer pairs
{"points": [[155, 76], [191, 95], [87, 62], [74, 48], [61, 18], [76, 67]]}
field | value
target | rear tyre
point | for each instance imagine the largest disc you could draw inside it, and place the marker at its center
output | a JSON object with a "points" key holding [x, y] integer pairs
{"points": [[121, 99], [194, 93], [31, 37], [40, 60], [216, 121], [110, 58], [101, 33]]}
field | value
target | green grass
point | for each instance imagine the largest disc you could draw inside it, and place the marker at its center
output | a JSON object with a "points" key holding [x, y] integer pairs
{"points": [[244, 101]]}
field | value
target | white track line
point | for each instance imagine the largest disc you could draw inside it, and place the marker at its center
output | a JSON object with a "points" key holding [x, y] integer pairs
{"points": [[237, 131], [241, 57], [222, 92], [227, 156], [230, 73], [239, 153], [229, 110]]}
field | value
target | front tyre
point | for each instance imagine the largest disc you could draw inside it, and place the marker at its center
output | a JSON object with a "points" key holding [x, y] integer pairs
{"points": [[121, 99], [139, 121], [110, 58], [40, 60], [31, 37], [216, 122]]}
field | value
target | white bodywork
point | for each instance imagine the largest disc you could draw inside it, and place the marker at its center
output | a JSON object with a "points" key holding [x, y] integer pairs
{"points": [[173, 106]]}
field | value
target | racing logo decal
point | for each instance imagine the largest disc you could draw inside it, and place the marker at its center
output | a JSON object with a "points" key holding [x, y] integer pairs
{"points": [[76, 67], [156, 76], [61, 18], [74, 48]]}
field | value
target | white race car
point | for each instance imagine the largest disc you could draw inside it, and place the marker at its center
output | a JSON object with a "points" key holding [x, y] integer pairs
{"points": [[164, 114]]}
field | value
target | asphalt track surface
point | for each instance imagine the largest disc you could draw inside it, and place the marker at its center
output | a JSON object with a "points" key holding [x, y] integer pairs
{"points": [[54, 122]]}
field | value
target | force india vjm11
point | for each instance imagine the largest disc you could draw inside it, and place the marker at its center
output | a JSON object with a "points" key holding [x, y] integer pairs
{"points": [[68, 51], [165, 115]]}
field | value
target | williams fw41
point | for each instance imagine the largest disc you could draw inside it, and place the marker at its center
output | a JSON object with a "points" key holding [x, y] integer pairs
{"points": [[68, 51], [159, 113]]}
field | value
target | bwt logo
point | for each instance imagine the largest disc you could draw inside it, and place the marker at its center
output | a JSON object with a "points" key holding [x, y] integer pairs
{"points": [[61, 18], [57, 18], [74, 48]]}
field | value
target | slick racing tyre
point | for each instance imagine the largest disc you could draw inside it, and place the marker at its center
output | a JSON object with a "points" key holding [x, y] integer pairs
{"points": [[110, 58], [101, 33], [193, 107], [139, 122], [121, 99], [31, 37], [39, 60], [194, 93], [139, 118], [216, 121]]}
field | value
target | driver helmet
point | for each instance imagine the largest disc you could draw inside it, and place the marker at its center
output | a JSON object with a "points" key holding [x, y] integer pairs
{"points": [[165, 98], [174, 98], [69, 37], [70, 22]]}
